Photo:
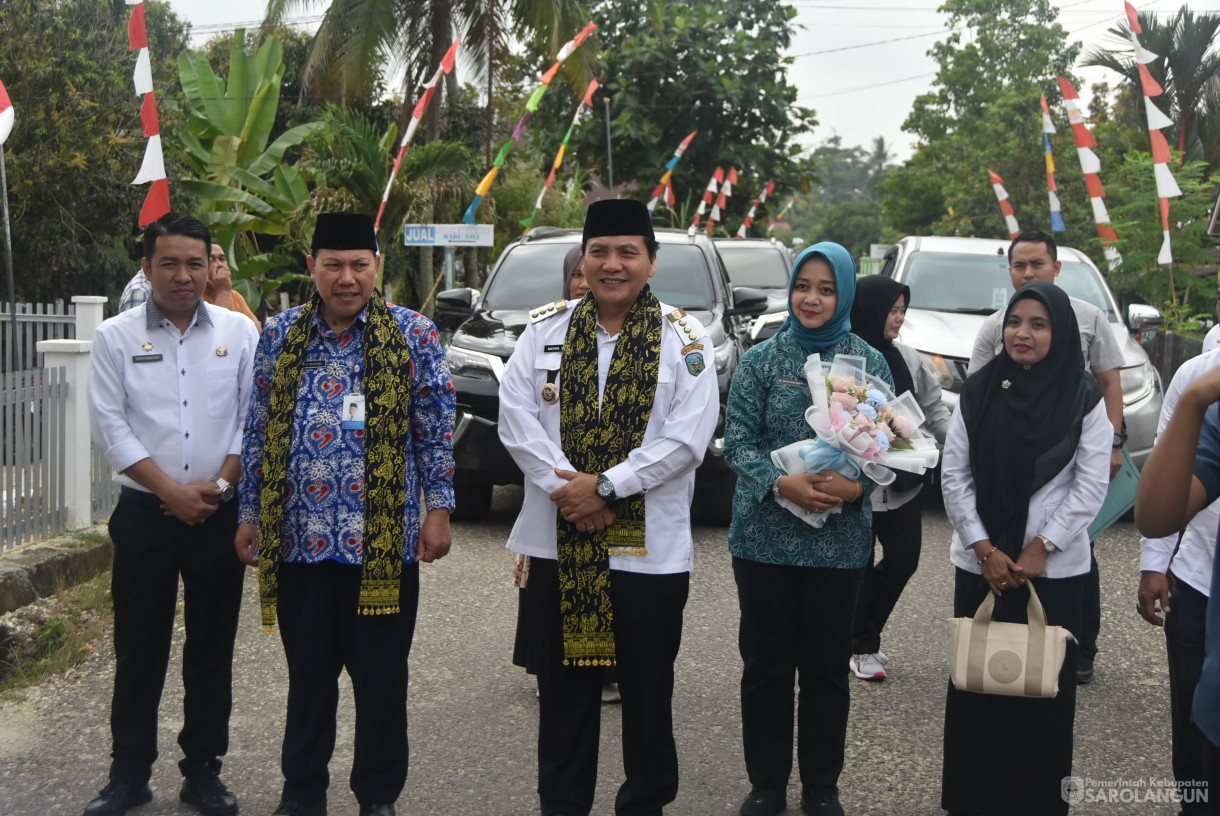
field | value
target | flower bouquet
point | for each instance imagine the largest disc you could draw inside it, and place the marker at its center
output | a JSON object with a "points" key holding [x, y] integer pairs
{"points": [[859, 426]]}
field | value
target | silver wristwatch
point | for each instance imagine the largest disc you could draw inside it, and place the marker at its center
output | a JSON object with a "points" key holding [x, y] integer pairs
{"points": [[227, 490], [605, 488], [1046, 543]]}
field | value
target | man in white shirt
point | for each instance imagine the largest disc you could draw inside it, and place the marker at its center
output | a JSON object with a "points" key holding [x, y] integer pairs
{"points": [[1032, 256], [1183, 602], [607, 406], [168, 391]]}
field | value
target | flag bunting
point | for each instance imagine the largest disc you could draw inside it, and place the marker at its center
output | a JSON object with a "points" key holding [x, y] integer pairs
{"points": [[1010, 219], [665, 190], [1052, 192], [762, 198], [152, 168], [531, 105], [709, 194], [726, 190], [416, 115], [780, 215], [1090, 166], [586, 102], [6, 115]]}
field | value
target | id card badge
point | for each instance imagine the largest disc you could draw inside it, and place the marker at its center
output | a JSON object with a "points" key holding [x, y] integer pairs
{"points": [[353, 413]]}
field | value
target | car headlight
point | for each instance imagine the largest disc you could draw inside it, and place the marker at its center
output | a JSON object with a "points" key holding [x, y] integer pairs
{"points": [[723, 354], [944, 374], [464, 362], [1137, 382]]}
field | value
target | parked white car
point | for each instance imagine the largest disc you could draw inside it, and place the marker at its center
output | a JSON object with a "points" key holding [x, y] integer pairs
{"points": [[957, 282]]}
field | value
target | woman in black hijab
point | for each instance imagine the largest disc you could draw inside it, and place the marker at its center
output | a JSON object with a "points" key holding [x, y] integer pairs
{"points": [[877, 316], [1026, 468]]}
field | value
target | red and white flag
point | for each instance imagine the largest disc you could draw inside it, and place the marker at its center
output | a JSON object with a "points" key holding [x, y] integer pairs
{"points": [[156, 203], [6, 114], [1010, 218]]}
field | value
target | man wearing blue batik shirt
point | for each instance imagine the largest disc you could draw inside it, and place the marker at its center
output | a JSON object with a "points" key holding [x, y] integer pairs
{"points": [[350, 424], [1180, 478]]}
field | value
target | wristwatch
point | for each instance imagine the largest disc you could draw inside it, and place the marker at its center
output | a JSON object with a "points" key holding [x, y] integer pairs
{"points": [[227, 490], [605, 488], [1046, 543], [1120, 438]]}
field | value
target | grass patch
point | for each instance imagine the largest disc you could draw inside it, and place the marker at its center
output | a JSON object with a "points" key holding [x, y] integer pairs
{"points": [[55, 634]]}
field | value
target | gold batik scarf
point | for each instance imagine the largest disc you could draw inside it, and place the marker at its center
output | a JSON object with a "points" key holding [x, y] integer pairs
{"points": [[595, 441], [387, 362]]}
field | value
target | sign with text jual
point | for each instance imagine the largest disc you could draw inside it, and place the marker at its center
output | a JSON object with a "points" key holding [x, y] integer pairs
{"points": [[449, 235]]}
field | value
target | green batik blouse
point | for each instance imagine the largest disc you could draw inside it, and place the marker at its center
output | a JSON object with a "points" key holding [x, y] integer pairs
{"points": [[766, 411]]}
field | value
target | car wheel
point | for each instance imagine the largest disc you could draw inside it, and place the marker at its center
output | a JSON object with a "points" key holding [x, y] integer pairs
{"points": [[716, 502], [472, 500]]}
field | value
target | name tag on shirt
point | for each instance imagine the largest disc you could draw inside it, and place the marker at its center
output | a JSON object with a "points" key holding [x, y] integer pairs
{"points": [[552, 348], [146, 358], [313, 364], [794, 383]]}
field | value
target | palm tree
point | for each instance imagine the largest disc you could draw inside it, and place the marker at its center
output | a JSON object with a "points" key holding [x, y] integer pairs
{"points": [[1188, 69]]}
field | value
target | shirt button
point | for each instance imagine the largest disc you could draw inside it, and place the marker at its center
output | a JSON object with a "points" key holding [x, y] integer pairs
{"points": [[186, 467], [183, 371], [184, 402], [188, 434]]}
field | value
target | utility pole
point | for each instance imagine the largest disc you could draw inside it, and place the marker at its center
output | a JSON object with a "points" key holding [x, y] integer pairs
{"points": [[609, 150]]}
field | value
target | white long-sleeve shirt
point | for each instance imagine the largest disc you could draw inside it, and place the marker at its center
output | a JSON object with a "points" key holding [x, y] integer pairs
{"points": [[1062, 509], [683, 419], [178, 398], [1193, 563]]}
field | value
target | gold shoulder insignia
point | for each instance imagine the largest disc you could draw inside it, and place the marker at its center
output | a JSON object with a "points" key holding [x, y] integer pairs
{"points": [[686, 327], [549, 310]]}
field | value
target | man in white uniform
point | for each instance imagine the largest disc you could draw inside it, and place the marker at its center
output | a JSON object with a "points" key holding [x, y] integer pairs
{"points": [[607, 406]]}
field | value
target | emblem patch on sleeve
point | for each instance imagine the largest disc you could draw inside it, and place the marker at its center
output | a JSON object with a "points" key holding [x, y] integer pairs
{"points": [[694, 363]]}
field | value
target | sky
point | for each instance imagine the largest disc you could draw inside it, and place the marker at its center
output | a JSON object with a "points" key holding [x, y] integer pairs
{"points": [[860, 85]]}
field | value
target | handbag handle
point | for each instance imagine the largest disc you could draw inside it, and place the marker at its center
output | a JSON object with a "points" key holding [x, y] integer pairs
{"points": [[1033, 610]]}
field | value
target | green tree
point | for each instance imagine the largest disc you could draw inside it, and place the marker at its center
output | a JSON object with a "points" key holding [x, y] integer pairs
{"points": [[854, 224], [983, 112], [1187, 67], [77, 142], [714, 67]]}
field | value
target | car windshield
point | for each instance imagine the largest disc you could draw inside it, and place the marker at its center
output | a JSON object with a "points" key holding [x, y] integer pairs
{"points": [[760, 267], [532, 274], [979, 284]]}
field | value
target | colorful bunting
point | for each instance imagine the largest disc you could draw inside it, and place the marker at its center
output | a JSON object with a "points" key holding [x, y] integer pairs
{"points": [[1166, 186], [1048, 127], [1090, 165], [531, 105], [666, 186], [708, 194], [1010, 219], [779, 215], [587, 102], [6, 115], [726, 190], [762, 197], [422, 105], [152, 168]]}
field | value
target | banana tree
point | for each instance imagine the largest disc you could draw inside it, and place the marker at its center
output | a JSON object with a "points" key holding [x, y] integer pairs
{"points": [[245, 188]]}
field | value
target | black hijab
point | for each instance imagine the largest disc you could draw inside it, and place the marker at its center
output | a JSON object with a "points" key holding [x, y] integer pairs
{"points": [[1024, 422], [875, 296]]}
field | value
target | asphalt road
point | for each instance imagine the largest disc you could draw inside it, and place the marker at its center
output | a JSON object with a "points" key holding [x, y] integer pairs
{"points": [[473, 715]]}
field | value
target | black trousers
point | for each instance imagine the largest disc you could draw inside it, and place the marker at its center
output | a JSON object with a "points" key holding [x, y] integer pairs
{"points": [[647, 634], [794, 620], [900, 532], [1184, 635], [151, 551], [1211, 773], [322, 635], [1036, 748], [1090, 611]]}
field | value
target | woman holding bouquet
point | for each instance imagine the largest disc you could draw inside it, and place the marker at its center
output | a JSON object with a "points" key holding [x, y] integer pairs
{"points": [[1026, 468], [796, 583], [876, 318]]}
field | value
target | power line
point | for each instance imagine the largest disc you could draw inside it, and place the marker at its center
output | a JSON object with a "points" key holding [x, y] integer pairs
{"points": [[864, 87]]}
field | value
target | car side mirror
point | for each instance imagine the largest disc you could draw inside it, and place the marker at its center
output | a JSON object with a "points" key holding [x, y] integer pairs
{"points": [[1141, 317], [453, 308], [747, 301]]}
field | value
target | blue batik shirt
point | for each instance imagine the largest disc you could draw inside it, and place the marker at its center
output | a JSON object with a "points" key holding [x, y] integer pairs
{"points": [[1206, 709], [324, 513]]}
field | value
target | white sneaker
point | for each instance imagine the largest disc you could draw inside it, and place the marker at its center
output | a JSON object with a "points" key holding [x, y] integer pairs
{"points": [[869, 666]]}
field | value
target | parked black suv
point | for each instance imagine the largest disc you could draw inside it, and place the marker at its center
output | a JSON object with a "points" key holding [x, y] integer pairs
{"points": [[529, 273]]}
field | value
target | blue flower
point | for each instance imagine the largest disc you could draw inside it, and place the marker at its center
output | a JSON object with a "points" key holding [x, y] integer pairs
{"points": [[868, 410], [876, 398], [883, 441]]}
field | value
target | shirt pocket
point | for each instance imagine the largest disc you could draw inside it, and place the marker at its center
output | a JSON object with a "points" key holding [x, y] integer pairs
{"points": [[221, 381]]}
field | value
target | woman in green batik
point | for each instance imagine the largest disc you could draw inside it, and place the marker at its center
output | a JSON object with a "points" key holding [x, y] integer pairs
{"points": [[796, 584]]}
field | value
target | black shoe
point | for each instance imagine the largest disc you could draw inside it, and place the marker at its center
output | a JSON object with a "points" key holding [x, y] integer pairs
{"points": [[290, 808], [209, 794], [821, 802], [765, 802], [117, 797], [1084, 668], [377, 810]]}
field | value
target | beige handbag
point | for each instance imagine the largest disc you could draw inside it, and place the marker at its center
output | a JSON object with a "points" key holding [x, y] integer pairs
{"points": [[1017, 659]]}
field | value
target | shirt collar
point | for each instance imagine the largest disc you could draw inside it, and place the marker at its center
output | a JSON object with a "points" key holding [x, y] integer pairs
{"points": [[325, 329], [153, 316]]}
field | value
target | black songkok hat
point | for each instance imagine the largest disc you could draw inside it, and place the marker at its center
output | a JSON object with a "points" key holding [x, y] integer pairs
{"points": [[618, 216], [341, 230]]}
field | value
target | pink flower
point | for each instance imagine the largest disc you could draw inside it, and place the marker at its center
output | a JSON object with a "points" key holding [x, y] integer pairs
{"points": [[885, 429], [863, 422], [873, 453], [841, 384], [844, 401], [839, 418], [903, 426]]}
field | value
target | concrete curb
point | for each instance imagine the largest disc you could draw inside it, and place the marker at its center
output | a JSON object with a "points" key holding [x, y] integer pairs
{"points": [[37, 570]]}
